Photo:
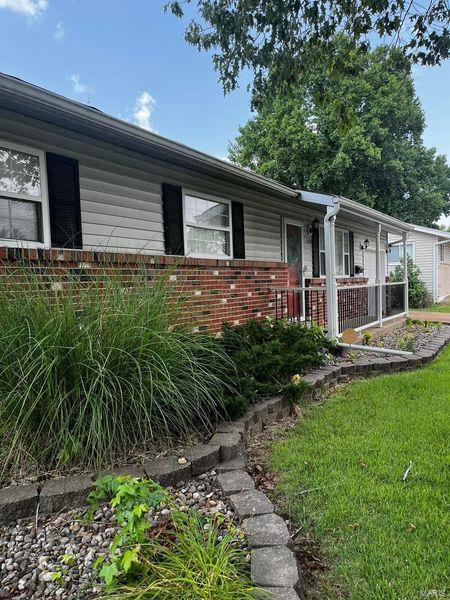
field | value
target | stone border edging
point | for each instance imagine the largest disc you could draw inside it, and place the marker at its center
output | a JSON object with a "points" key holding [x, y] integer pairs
{"points": [[273, 564]]}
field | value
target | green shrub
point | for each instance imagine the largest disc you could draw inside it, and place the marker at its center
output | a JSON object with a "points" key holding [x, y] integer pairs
{"points": [[418, 295], [98, 365], [267, 353]]}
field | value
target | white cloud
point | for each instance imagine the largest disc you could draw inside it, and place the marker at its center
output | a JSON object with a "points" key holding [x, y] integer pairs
{"points": [[222, 157], [77, 86], [143, 110], [30, 8], [444, 221], [59, 32]]}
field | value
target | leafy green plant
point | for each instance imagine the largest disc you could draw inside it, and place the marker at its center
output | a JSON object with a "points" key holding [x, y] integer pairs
{"points": [[132, 498], [182, 556], [418, 295], [352, 355], [295, 390], [367, 337], [406, 343], [190, 561], [99, 364], [267, 352]]}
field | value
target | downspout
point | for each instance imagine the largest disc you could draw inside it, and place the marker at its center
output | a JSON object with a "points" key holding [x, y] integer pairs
{"points": [[435, 269], [330, 261]]}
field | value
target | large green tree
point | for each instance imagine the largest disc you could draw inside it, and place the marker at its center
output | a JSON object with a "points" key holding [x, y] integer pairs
{"points": [[357, 133], [276, 38]]}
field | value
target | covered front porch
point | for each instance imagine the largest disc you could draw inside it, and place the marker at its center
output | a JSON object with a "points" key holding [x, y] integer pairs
{"points": [[349, 284]]}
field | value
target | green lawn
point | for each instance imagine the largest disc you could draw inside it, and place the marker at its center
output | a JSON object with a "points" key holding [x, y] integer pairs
{"points": [[443, 307], [342, 470]]}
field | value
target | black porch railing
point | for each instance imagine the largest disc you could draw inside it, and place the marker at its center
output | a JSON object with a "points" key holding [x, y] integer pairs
{"points": [[357, 306], [393, 299], [301, 304]]}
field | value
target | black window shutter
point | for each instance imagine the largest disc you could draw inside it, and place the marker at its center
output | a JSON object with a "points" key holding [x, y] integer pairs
{"points": [[315, 252], [237, 218], [173, 219], [351, 248], [64, 201]]}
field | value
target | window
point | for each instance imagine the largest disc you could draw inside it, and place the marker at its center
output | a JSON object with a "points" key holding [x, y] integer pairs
{"points": [[342, 247], [396, 252], [23, 197], [207, 226], [441, 253]]}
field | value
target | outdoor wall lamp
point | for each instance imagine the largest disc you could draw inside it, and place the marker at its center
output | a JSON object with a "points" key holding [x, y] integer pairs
{"points": [[313, 226], [365, 244]]}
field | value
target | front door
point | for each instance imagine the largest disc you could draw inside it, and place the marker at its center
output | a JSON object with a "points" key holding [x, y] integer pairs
{"points": [[293, 255]]}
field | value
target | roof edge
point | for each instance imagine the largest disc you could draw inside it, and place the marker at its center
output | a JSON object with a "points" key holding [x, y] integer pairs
{"points": [[86, 114]]}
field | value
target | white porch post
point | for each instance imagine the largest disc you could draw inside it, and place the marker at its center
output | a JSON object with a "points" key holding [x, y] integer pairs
{"points": [[330, 262], [378, 282], [405, 270]]}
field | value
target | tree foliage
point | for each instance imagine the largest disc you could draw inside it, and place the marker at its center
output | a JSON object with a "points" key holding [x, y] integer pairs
{"points": [[357, 133], [278, 37], [418, 294]]}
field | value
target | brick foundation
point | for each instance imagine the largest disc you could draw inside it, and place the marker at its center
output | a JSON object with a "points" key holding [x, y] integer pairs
{"points": [[216, 291]]}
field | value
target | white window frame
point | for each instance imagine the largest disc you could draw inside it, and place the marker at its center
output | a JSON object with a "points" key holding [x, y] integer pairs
{"points": [[400, 252], [42, 199], [228, 229], [345, 231]]}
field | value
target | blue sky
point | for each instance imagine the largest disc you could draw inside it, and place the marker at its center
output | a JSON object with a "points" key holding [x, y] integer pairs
{"points": [[130, 60]]}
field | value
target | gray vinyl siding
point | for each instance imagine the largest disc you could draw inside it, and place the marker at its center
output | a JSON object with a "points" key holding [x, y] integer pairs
{"points": [[121, 202], [423, 255], [447, 253]]}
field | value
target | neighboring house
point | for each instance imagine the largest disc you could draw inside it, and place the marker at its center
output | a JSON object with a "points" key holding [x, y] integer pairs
{"points": [[430, 250], [76, 180]]}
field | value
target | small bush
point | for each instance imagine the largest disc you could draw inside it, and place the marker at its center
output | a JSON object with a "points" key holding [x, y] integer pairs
{"points": [[97, 365], [418, 295], [367, 338], [267, 353]]}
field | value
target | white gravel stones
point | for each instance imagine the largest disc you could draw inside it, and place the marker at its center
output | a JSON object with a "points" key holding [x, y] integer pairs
{"points": [[31, 560]]}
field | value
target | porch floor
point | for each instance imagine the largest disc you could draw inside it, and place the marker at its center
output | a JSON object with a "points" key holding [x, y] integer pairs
{"points": [[423, 315]]}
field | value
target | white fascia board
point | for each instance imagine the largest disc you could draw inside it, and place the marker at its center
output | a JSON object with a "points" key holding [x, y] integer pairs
{"points": [[431, 231], [318, 198], [356, 209]]}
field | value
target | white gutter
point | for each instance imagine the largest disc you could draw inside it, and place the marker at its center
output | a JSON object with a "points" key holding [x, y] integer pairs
{"points": [[436, 270], [356, 209]]}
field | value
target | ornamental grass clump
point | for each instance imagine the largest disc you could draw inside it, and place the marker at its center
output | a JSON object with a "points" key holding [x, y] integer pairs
{"points": [[95, 363]]}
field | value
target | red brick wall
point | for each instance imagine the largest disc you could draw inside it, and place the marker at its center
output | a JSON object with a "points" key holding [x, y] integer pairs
{"points": [[215, 290]]}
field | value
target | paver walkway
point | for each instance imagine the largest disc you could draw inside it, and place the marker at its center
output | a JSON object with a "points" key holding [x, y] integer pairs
{"points": [[423, 315]]}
